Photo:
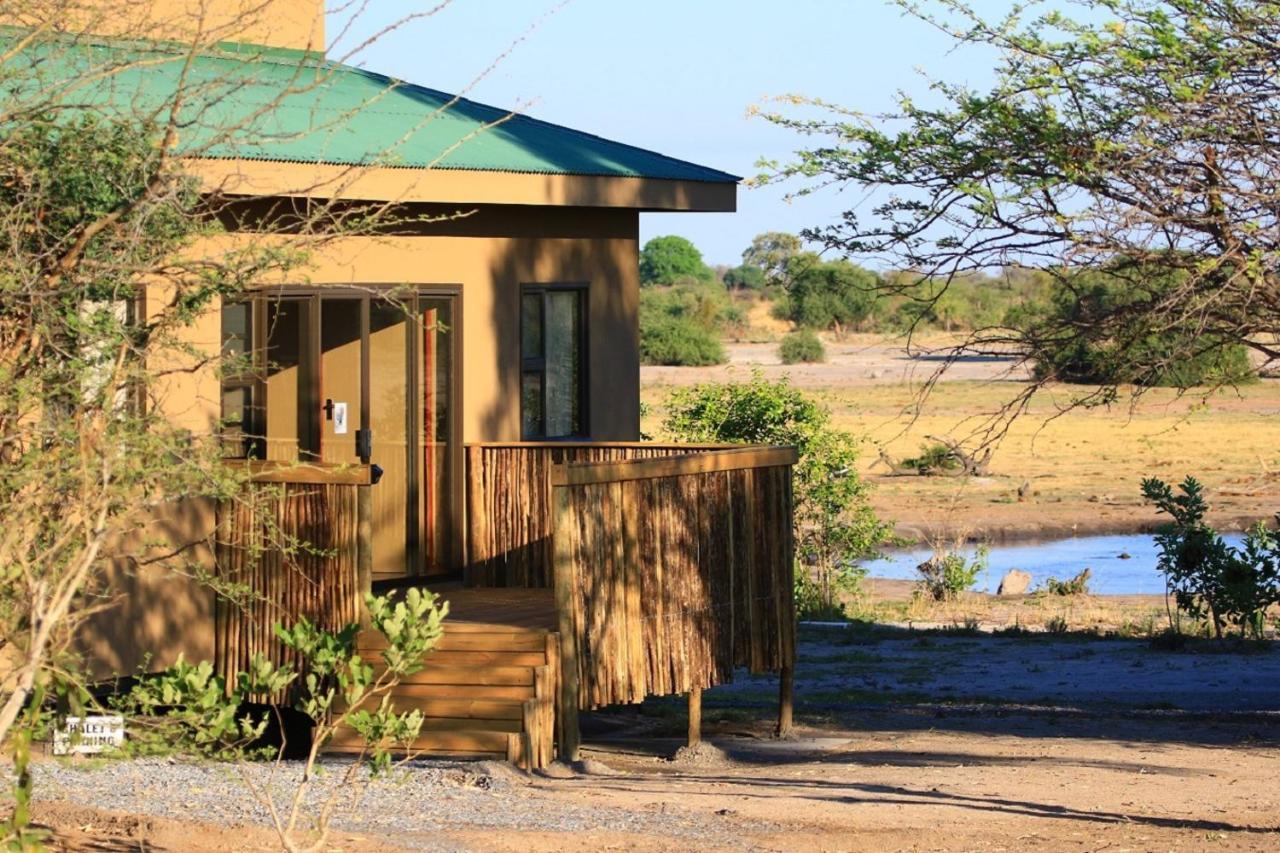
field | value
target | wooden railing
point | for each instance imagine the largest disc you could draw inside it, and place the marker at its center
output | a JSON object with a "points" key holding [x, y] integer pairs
{"points": [[509, 502], [669, 573], [287, 546]]}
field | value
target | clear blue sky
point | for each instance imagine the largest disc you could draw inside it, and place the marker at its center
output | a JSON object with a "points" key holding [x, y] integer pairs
{"points": [[678, 76]]}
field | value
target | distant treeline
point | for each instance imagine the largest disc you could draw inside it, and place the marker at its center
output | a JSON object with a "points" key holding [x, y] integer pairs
{"points": [[688, 308]]}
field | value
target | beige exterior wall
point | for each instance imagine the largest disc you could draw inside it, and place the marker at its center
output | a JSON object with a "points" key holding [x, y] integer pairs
{"points": [[488, 255], [295, 24]]}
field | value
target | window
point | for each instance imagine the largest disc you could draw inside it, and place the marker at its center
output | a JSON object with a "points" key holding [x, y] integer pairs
{"points": [[238, 380], [552, 362]]}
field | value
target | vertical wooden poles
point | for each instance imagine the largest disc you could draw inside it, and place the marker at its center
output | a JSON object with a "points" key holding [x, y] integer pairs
{"points": [[563, 578], [695, 716]]}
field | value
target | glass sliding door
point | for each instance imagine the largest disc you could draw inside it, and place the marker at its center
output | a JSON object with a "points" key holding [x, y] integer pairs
{"points": [[437, 444], [345, 377]]}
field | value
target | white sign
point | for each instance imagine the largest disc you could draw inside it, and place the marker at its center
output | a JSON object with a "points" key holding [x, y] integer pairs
{"points": [[339, 418], [88, 735]]}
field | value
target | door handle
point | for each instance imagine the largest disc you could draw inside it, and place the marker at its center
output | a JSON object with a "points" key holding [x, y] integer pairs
{"points": [[328, 410]]}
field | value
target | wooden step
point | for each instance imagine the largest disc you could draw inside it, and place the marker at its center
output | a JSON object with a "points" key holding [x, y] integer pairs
{"points": [[480, 676], [471, 709], [450, 742], [490, 658], [471, 637], [409, 693]]}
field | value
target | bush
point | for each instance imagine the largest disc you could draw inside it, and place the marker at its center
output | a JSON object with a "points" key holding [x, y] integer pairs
{"points": [[1070, 342], [801, 347], [932, 459], [828, 294], [681, 325], [1078, 585], [835, 526], [680, 341], [1208, 578], [945, 575]]}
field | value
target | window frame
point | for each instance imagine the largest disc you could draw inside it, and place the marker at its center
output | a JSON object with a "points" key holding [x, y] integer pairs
{"points": [[538, 365]]}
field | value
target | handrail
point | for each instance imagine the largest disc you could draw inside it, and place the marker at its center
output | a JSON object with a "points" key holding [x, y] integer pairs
{"points": [[586, 442], [734, 458], [309, 473]]}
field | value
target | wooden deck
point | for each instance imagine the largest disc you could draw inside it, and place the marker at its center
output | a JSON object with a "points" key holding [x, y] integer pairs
{"points": [[476, 609]]}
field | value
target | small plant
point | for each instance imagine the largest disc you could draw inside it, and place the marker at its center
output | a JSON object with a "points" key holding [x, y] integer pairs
{"points": [[1056, 626], [818, 602], [337, 688], [1078, 585], [801, 347], [1207, 578], [945, 575], [933, 458]]}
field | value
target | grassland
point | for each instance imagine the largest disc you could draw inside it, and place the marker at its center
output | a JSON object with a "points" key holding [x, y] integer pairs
{"points": [[1084, 466]]}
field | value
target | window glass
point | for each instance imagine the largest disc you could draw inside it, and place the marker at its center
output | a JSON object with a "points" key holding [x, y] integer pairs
{"points": [[531, 325], [562, 341], [531, 406]]}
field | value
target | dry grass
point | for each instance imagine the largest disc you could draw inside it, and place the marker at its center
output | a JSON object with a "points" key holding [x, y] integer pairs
{"points": [[1084, 466]]}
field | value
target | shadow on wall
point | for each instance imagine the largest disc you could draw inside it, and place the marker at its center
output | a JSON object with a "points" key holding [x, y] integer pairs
{"points": [[581, 246], [152, 613]]}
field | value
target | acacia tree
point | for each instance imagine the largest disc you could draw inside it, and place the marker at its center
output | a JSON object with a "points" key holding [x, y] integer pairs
{"points": [[1139, 137]]}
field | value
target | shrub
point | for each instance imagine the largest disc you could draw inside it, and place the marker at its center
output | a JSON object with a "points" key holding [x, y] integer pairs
{"points": [[1069, 342], [681, 325], [932, 459], [828, 294], [680, 341], [1078, 585], [945, 575], [835, 526], [801, 347], [1208, 578]]}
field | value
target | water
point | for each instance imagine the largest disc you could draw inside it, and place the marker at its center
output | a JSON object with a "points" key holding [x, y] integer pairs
{"points": [[1061, 559]]}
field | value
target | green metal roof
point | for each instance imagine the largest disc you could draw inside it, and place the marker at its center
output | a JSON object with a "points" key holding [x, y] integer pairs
{"points": [[328, 113]]}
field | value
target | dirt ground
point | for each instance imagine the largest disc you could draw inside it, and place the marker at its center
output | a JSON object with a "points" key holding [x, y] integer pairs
{"points": [[1091, 745], [1083, 466]]}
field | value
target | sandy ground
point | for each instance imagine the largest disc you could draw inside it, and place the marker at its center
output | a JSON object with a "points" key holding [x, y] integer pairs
{"points": [[1082, 467], [1092, 745]]}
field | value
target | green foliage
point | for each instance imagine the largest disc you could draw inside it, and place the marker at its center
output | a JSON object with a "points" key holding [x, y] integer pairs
{"points": [[828, 294], [1109, 131], [1078, 585], [681, 325], [835, 524], [188, 707], [745, 277], [667, 260], [771, 253], [801, 347], [1208, 578], [935, 457], [944, 576], [1070, 342], [830, 603]]}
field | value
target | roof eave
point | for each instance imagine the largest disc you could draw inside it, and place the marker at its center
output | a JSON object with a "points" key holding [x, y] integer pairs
{"points": [[459, 186]]}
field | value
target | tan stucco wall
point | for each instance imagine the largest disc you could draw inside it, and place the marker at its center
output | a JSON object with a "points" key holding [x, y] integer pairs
{"points": [[295, 24], [488, 255]]}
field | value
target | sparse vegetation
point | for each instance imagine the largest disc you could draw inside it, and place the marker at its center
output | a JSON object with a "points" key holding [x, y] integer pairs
{"points": [[947, 574], [1209, 579], [801, 347]]}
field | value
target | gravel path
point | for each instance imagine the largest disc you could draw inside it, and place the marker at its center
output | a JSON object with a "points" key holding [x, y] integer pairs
{"points": [[422, 797]]}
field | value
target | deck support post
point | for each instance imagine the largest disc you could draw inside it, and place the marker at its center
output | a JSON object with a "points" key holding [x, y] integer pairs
{"points": [[563, 579], [364, 548], [695, 716], [786, 699]]}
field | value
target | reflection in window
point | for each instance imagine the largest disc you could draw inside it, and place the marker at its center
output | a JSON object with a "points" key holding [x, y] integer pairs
{"points": [[552, 350]]}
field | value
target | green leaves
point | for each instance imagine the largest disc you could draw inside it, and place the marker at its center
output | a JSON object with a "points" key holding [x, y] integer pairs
{"points": [[1208, 578], [834, 521]]}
